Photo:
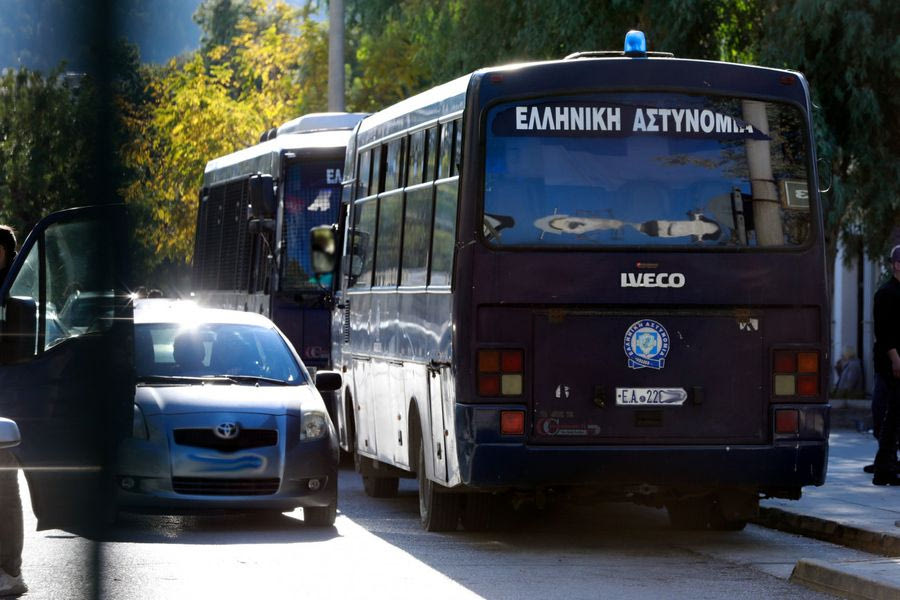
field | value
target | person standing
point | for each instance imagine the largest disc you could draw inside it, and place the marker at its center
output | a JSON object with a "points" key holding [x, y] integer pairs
{"points": [[12, 533], [11, 529], [887, 372]]}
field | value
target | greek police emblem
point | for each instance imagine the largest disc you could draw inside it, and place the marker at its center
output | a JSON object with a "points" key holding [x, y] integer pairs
{"points": [[646, 344]]}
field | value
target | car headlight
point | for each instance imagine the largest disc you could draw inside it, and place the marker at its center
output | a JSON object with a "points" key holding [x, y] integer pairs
{"points": [[313, 426], [139, 425]]}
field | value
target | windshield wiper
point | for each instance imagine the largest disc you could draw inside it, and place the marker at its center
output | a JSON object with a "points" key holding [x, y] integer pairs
{"points": [[256, 379], [181, 379]]}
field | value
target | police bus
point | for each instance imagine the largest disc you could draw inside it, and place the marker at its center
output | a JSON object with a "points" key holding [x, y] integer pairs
{"points": [[257, 206], [601, 275]]}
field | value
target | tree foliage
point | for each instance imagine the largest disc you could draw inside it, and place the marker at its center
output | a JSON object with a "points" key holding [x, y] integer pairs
{"points": [[51, 138], [215, 102], [850, 52]]}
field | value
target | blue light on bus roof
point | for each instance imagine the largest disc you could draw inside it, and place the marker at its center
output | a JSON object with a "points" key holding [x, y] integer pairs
{"points": [[635, 43]]}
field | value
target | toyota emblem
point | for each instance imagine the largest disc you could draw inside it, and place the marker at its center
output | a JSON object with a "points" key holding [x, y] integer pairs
{"points": [[227, 431]]}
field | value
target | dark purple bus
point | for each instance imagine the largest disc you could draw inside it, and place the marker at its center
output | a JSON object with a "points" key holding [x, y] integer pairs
{"points": [[256, 209], [602, 275]]}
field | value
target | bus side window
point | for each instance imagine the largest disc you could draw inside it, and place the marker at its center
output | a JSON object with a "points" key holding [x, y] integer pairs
{"points": [[377, 181], [431, 153], [393, 176], [363, 244], [444, 237], [457, 147], [416, 157], [446, 150], [387, 252], [364, 170], [417, 236]]}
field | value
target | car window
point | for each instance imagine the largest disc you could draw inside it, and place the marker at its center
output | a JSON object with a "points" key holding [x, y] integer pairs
{"points": [[210, 350]]}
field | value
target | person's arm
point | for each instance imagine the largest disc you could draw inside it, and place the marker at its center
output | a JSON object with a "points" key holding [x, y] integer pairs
{"points": [[895, 362]]}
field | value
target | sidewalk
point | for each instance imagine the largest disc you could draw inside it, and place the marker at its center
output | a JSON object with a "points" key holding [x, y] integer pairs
{"points": [[850, 511]]}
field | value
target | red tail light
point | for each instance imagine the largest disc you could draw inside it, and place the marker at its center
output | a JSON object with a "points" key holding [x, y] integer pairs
{"points": [[512, 422], [787, 421], [500, 372]]}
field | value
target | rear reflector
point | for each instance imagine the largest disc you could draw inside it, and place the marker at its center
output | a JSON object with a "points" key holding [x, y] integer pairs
{"points": [[512, 422], [787, 421]]}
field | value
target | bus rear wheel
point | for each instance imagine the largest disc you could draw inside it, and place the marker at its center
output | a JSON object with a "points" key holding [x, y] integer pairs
{"points": [[437, 511]]}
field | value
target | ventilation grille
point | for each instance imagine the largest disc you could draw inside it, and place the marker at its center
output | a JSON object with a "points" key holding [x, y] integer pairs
{"points": [[205, 486], [206, 438]]}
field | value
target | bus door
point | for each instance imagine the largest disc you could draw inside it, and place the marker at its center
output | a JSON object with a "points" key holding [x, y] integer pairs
{"points": [[66, 360]]}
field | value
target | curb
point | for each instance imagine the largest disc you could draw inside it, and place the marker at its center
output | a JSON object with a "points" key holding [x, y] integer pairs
{"points": [[873, 542], [848, 580]]}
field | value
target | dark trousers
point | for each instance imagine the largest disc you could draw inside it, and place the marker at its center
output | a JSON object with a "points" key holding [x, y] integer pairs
{"points": [[11, 530], [888, 389]]}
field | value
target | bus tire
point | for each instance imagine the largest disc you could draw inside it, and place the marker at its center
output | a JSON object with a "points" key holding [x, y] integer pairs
{"points": [[479, 512], [689, 514], [380, 487], [437, 511]]}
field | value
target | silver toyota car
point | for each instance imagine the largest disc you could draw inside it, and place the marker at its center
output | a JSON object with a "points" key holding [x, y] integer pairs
{"points": [[225, 417]]}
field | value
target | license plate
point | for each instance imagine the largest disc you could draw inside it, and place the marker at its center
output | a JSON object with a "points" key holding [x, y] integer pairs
{"points": [[650, 396]]}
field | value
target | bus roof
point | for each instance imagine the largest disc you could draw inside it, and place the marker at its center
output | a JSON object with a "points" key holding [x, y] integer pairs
{"points": [[439, 101], [450, 98], [265, 157]]}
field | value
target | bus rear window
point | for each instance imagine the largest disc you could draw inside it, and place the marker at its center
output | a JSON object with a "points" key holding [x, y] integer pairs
{"points": [[646, 170], [312, 196]]}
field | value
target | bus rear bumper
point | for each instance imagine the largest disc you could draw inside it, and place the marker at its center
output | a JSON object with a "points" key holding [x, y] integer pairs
{"points": [[492, 462], [496, 465]]}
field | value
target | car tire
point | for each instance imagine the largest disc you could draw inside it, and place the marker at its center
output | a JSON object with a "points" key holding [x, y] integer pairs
{"points": [[437, 511], [321, 516]]}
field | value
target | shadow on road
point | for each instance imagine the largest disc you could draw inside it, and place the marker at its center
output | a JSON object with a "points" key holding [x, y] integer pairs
{"points": [[216, 529]]}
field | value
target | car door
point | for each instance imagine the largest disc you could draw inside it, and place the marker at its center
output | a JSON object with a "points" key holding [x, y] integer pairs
{"points": [[67, 378]]}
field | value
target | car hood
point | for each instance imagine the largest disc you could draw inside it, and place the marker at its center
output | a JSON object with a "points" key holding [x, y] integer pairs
{"points": [[263, 399]]}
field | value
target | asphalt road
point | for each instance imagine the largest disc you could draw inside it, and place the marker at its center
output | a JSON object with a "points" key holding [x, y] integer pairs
{"points": [[378, 550]]}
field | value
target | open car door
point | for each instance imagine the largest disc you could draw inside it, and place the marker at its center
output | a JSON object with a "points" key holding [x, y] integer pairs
{"points": [[66, 361]]}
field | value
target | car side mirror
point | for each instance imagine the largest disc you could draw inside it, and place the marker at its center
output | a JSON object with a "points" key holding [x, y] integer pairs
{"points": [[9, 433], [19, 338], [328, 381]]}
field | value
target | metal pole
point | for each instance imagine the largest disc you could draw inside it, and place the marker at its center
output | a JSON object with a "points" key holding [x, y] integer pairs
{"points": [[336, 56]]}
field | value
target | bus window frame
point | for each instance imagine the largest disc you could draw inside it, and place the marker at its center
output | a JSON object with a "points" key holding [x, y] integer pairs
{"points": [[816, 214]]}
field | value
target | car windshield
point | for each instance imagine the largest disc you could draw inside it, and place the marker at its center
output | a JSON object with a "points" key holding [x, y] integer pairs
{"points": [[239, 352], [644, 169]]}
